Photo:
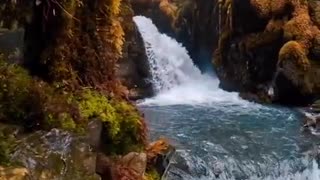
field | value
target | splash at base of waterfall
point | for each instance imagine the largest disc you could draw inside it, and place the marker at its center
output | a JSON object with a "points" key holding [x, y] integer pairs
{"points": [[202, 92]]}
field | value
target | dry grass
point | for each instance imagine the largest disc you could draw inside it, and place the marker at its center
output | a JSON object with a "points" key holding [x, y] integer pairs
{"points": [[154, 150], [263, 7]]}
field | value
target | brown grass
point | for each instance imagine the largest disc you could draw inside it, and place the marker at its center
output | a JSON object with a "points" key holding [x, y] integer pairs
{"points": [[295, 53]]}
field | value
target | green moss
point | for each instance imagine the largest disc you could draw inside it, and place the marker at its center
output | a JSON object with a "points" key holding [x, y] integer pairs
{"points": [[32, 103], [94, 105], [7, 144], [14, 82], [121, 119], [152, 175]]}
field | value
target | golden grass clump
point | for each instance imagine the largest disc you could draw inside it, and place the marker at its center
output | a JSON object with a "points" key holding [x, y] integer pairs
{"points": [[301, 28], [278, 6], [267, 8], [295, 53], [263, 7]]}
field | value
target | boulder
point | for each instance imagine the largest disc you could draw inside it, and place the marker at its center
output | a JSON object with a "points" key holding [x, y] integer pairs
{"points": [[135, 161], [94, 133], [105, 167], [159, 154]]}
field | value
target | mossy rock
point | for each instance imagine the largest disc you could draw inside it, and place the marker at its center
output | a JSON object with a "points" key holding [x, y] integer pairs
{"points": [[8, 143], [56, 154], [34, 105]]}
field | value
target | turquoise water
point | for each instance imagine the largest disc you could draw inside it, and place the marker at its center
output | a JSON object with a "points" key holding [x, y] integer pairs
{"points": [[240, 141]]}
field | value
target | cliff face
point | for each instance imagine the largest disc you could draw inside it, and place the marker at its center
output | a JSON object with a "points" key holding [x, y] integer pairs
{"points": [[267, 50], [270, 46]]}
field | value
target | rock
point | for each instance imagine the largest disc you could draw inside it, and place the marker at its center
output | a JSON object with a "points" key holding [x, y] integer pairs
{"points": [[12, 173], [94, 133], [136, 162], [133, 68], [104, 167], [159, 154], [11, 44], [56, 155], [315, 50], [129, 167]]}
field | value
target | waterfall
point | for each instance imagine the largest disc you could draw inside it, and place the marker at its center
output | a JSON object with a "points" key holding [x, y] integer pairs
{"points": [[175, 79], [169, 61]]}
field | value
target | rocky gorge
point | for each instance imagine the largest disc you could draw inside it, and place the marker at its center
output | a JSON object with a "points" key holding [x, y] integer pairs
{"points": [[71, 71], [249, 43]]}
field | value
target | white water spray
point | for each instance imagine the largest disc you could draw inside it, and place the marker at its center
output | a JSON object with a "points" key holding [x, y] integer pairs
{"points": [[175, 78]]}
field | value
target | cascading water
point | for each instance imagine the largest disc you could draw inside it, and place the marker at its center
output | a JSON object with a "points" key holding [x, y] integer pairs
{"points": [[167, 71], [174, 76], [220, 136]]}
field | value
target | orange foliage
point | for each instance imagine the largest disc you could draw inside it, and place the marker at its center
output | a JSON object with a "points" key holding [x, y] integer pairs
{"points": [[299, 28], [155, 149]]}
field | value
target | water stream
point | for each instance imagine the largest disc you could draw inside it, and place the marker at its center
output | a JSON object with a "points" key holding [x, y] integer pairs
{"points": [[218, 135]]}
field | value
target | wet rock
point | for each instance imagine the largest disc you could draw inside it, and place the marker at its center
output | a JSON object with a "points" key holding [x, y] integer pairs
{"points": [[56, 155], [311, 121], [133, 69], [135, 161], [14, 173], [11, 44]]}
